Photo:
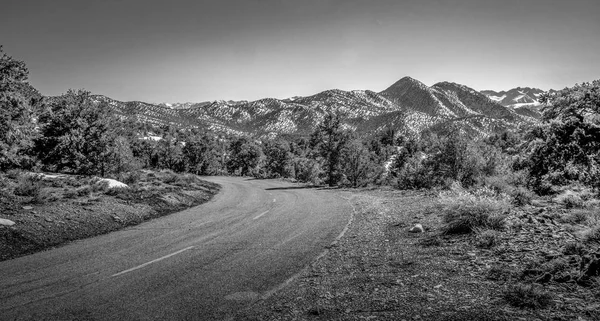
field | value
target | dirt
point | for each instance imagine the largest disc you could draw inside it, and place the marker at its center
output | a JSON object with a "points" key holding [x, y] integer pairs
{"points": [[381, 271], [77, 207]]}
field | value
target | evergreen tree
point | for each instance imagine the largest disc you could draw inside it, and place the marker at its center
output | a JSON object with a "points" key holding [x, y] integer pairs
{"points": [[77, 135], [16, 113], [328, 140]]}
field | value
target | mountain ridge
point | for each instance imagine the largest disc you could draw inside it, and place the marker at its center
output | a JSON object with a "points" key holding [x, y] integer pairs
{"points": [[407, 105]]}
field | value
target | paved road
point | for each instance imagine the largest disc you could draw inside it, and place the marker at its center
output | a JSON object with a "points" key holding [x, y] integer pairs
{"points": [[204, 263]]}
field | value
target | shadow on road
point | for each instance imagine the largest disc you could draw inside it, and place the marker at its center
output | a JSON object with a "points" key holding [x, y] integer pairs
{"points": [[294, 187]]}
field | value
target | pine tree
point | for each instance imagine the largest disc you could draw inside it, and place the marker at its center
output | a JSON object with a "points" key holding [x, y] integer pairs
{"points": [[16, 113]]}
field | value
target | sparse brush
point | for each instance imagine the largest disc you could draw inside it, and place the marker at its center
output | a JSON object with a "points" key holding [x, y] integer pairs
{"points": [[578, 216], [499, 273], [85, 190], [570, 199], [130, 178], [487, 238], [28, 185], [169, 177], [463, 211], [573, 248], [14, 173], [70, 193], [521, 196], [527, 296], [593, 235]]}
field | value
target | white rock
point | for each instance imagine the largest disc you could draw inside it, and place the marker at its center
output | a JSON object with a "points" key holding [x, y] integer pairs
{"points": [[112, 183], [27, 208], [6, 222], [418, 228]]}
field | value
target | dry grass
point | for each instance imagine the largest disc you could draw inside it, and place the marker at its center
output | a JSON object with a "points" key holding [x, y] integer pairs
{"points": [[464, 211]]}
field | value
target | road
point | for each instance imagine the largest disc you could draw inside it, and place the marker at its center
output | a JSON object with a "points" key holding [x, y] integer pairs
{"points": [[204, 263]]}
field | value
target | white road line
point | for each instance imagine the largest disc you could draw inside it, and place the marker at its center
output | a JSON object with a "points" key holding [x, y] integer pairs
{"points": [[153, 261], [261, 214]]}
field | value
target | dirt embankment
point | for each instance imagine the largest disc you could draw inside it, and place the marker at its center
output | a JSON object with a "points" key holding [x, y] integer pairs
{"points": [[50, 210]]}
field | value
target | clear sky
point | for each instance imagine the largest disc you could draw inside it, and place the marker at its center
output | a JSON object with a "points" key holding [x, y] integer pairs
{"points": [[177, 51]]}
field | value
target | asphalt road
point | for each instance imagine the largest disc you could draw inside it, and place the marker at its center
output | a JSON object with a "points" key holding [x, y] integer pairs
{"points": [[204, 263]]}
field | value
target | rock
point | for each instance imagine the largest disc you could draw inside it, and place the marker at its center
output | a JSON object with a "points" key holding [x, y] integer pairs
{"points": [[418, 228], [27, 208], [112, 183], [6, 222]]}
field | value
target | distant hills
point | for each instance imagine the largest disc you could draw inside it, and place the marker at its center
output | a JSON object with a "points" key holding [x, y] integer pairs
{"points": [[407, 105]]}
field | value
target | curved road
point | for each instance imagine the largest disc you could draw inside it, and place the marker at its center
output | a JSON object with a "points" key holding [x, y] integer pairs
{"points": [[204, 263]]}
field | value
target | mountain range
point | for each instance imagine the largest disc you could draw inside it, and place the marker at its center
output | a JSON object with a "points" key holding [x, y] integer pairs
{"points": [[407, 105]]}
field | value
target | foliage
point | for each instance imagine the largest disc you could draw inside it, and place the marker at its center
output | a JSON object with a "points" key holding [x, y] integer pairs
{"points": [[279, 158], [17, 100], [565, 148], [77, 135], [246, 156], [358, 163], [328, 141]]}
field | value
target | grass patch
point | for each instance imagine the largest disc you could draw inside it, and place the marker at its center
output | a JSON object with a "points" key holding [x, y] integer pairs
{"points": [[464, 212], [527, 296]]}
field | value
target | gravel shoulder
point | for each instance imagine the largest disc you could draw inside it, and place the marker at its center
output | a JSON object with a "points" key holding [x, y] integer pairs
{"points": [[381, 271]]}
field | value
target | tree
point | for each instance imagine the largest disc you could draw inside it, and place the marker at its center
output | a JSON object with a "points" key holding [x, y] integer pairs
{"points": [[279, 159], [566, 146], [17, 98], [245, 157], [358, 164], [202, 155], [328, 140], [77, 135]]}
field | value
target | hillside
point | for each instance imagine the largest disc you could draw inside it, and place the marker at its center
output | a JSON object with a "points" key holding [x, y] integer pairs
{"points": [[408, 105]]}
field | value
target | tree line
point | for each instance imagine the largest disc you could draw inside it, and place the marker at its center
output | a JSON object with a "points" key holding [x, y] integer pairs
{"points": [[73, 134]]}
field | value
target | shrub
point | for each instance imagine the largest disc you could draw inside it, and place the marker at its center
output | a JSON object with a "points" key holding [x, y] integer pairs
{"points": [[573, 248], [463, 212], [14, 173], [130, 178], [169, 177], [570, 200], [487, 238], [578, 216], [85, 190], [593, 235], [70, 193], [526, 296], [521, 196], [28, 185]]}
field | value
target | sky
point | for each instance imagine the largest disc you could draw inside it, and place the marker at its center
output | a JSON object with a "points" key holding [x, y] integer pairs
{"points": [[180, 51]]}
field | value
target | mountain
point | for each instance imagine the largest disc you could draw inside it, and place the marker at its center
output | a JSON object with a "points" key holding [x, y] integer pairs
{"points": [[407, 105], [516, 97]]}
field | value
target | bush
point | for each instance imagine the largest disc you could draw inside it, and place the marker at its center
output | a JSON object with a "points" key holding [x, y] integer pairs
{"points": [[570, 200], [487, 238], [85, 190], [130, 178], [463, 212], [521, 196], [28, 185], [578, 216], [573, 248], [527, 296], [593, 235], [169, 177]]}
